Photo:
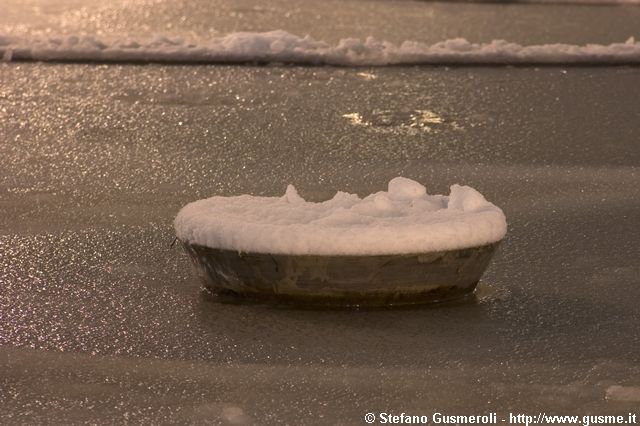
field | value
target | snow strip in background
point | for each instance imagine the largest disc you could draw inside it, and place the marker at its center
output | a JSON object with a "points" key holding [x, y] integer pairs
{"points": [[280, 46], [592, 2], [403, 219]]}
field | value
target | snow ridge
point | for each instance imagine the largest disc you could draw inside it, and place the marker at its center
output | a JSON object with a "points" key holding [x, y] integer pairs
{"points": [[281, 46]]}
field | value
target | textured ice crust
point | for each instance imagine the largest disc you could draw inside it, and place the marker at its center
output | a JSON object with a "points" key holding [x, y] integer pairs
{"points": [[280, 46], [402, 220]]}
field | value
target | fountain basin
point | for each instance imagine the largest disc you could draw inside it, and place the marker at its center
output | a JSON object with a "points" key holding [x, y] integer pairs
{"points": [[374, 280], [400, 246]]}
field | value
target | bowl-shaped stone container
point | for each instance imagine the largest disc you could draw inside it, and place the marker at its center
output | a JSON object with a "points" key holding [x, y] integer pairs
{"points": [[375, 280]]}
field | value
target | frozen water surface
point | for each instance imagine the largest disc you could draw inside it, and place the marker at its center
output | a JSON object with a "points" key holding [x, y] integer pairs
{"points": [[329, 20], [102, 319]]}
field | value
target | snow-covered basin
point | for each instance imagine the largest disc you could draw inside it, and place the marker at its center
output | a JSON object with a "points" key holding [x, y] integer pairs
{"points": [[398, 246]]}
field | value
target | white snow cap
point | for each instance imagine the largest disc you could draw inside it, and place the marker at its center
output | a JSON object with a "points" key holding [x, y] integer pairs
{"points": [[402, 220]]}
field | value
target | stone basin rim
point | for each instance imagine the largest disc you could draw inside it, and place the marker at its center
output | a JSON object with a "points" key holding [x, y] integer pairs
{"points": [[341, 256], [366, 280]]}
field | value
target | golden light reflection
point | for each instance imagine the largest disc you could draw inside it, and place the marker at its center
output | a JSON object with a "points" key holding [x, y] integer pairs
{"points": [[367, 75], [356, 119], [416, 120]]}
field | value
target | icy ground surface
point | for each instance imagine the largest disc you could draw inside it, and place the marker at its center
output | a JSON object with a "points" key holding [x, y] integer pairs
{"points": [[328, 20], [402, 219], [100, 318]]}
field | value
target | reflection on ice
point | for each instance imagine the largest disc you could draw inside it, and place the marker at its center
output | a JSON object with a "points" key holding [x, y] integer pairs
{"points": [[384, 120], [367, 75], [423, 117], [356, 119]]}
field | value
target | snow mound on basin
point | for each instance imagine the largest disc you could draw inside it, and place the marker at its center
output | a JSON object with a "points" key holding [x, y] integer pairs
{"points": [[281, 46], [401, 220]]}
